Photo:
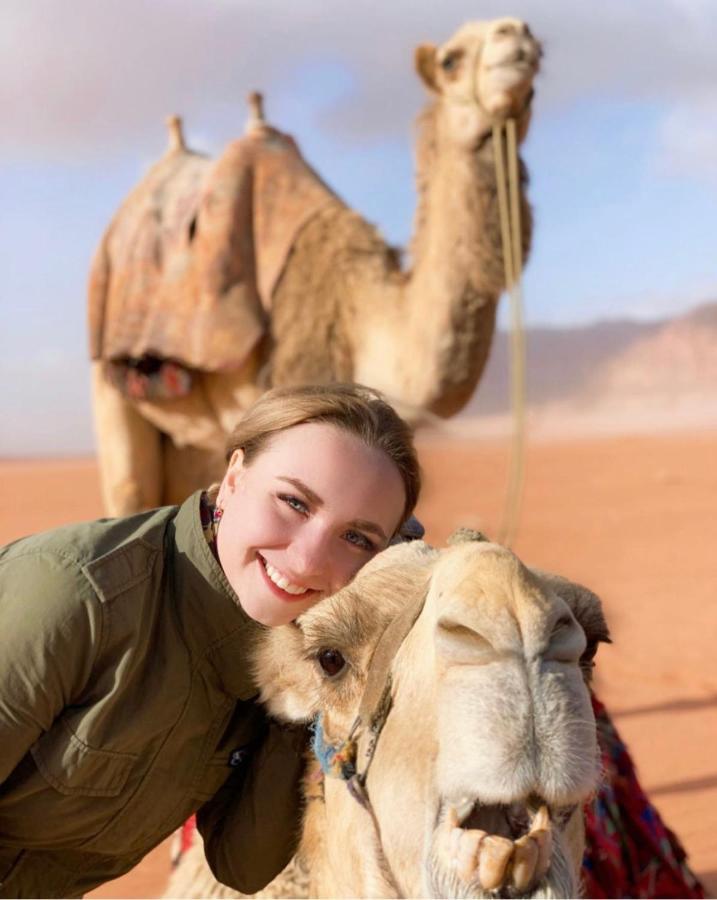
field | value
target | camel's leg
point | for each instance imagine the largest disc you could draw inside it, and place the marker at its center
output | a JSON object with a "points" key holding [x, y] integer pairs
{"points": [[186, 469], [129, 451]]}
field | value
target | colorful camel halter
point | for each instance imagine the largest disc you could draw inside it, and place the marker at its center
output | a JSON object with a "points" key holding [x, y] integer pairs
{"points": [[351, 758]]}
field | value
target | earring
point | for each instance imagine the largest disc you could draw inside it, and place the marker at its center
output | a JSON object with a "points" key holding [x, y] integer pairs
{"points": [[217, 514]]}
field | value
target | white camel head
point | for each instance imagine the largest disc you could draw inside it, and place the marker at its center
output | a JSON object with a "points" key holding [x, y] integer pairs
{"points": [[488, 752], [482, 74]]}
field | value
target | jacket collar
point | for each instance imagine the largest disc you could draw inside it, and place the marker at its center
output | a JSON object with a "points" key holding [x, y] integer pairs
{"points": [[215, 626]]}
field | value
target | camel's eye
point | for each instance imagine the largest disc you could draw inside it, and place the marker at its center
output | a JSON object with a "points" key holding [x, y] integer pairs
{"points": [[450, 61], [331, 661]]}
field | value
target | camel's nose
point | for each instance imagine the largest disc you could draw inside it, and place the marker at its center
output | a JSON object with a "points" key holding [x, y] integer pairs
{"points": [[460, 643], [564, 640]]}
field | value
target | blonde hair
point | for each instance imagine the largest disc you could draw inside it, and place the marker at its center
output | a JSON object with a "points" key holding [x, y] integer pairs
{"points": [[359, 410]]}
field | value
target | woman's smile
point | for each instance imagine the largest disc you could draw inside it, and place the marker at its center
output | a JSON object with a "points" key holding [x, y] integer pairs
{"points": [[285, 588]]}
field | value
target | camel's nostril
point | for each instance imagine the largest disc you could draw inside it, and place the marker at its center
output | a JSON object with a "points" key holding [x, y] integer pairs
{"points": [[458, 643]]}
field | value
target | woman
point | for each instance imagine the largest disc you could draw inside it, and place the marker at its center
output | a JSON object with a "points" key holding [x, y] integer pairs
{"points": [[126, 700]]}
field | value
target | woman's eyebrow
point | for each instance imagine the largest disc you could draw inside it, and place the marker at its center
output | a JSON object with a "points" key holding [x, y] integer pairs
{"points": [[363, 525], [312, 497]]}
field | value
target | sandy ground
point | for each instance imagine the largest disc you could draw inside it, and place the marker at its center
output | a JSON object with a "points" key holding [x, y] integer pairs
{"points": [[635, 518]]}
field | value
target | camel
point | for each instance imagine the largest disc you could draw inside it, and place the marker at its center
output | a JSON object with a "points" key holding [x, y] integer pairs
{"points": [[476, 749], [219, 278]]}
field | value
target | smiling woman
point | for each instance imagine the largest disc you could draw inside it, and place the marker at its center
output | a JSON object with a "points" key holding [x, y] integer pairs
{"points": [[315, 487], [132, 701], [299, 521]]}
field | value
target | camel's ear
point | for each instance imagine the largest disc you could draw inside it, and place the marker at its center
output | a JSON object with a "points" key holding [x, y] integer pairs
{"points": [[587, 609], [425, 61]]}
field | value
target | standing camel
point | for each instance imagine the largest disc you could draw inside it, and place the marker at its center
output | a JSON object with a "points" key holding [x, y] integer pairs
{"points": [[217, 279]]}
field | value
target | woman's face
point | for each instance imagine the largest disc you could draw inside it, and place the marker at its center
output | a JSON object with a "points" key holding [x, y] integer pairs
{"points": [[303, 517]]}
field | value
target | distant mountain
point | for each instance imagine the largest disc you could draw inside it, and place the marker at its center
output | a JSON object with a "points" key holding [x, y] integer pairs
{"points": [[615, 375], [559, 362], [679, 358]]}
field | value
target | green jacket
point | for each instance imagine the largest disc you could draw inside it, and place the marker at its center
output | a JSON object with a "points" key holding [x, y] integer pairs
{"points": [[127, 703]]}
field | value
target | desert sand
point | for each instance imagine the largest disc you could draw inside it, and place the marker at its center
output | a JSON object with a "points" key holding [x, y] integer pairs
{"points": [[633, 517]]}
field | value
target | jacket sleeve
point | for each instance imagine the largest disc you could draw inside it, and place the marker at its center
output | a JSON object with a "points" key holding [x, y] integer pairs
{"points": [[252, 827], [46, 635]]}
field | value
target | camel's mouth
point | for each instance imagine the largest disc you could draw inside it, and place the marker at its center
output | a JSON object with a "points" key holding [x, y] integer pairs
{"points": [[506, 848], [515, 65]]}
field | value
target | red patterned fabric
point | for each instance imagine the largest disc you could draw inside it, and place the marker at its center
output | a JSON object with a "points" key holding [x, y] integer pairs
{"points": [[629, 852]]}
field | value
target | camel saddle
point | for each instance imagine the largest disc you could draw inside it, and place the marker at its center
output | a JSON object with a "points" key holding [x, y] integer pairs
{"points": [[187, 268]]}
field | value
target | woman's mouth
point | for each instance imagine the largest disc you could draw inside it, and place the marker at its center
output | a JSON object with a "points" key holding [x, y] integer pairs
{"points": [[281, 584]]}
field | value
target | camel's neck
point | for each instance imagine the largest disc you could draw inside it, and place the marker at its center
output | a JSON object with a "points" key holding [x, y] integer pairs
{"points": [[456, 225], [447, 315]]}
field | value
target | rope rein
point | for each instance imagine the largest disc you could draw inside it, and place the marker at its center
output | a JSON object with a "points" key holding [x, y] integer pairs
{"points": [[505, 155]]}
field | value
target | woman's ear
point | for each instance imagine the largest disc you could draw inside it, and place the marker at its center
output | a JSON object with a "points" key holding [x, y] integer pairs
{"points": [[231, 476]]}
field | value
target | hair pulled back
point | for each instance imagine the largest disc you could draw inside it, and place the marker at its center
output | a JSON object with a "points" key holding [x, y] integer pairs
{"points": [[359, 410]]}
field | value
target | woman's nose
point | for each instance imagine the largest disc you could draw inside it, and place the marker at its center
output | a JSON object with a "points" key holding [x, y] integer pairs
{"points": [[309, 555]]}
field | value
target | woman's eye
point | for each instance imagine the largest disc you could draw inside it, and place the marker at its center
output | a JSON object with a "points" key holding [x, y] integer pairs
{"points": [[360, 540], [294, 503], [331, 661]]}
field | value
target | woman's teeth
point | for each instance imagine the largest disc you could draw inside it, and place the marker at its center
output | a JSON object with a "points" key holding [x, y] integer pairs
{"points": [[282, 581]]}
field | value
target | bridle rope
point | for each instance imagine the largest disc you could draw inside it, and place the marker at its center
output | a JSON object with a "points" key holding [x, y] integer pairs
{"points": [[508, 186]]}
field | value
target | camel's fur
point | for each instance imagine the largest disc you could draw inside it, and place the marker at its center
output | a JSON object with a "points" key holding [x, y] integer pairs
{"points": [[329, 294], [489, 703]]}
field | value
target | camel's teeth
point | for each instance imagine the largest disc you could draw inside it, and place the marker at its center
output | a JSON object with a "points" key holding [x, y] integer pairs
{"points": [[544, 840], [525, 860], [541, 821], [468, 850], [495, 853]]}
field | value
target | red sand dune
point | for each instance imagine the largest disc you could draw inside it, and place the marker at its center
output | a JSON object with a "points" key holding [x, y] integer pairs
{"points": [[632, 517]]}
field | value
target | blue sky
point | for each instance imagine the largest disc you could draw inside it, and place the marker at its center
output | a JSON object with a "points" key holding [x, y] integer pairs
{"points": [[622, 150]]}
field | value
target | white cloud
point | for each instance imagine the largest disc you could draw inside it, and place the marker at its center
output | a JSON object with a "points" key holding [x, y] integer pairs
{"points": [[81, 78], [687, 140]]}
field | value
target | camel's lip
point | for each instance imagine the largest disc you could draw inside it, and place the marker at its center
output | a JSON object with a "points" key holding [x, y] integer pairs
{"points": [[528, 66]]}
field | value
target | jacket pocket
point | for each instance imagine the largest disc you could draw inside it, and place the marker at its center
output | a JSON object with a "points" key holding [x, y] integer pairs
{"points": [[73, 767]]}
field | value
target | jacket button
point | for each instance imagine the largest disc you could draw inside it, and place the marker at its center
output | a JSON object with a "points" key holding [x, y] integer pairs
{"points": [[237, 757]]}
